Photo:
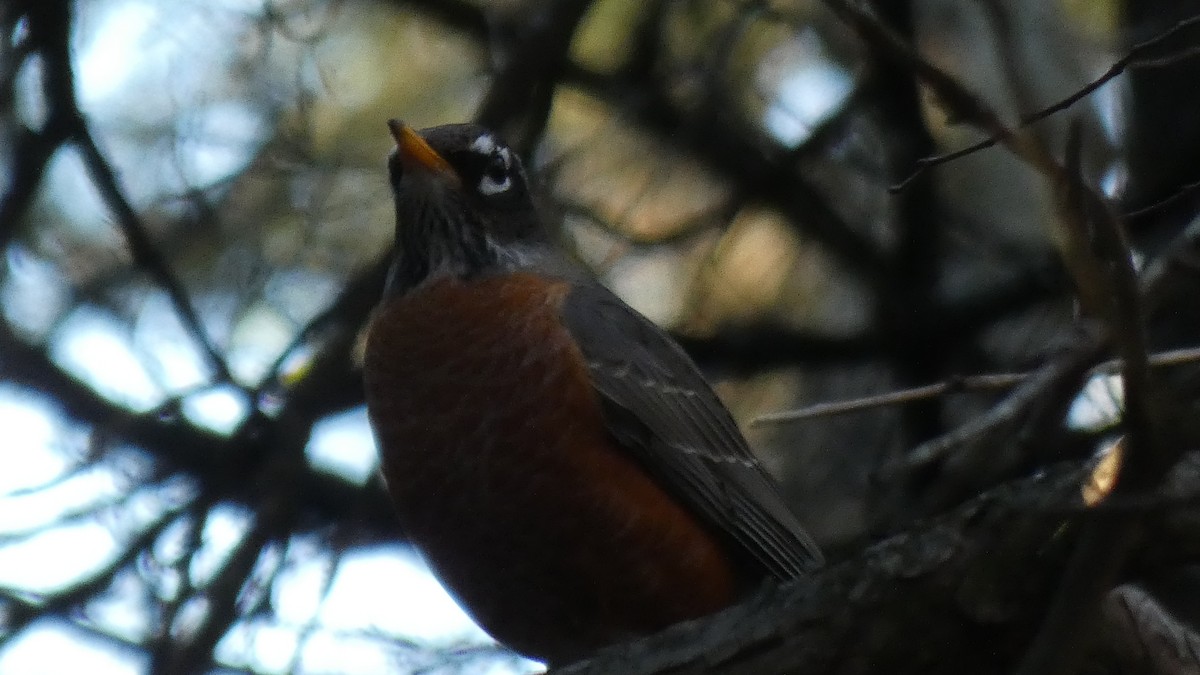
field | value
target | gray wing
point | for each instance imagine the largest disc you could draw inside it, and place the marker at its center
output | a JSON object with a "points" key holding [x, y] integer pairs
{"points": [[662, 410]]}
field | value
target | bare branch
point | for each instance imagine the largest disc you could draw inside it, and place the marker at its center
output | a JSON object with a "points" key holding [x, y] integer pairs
{"points": [[25, 612], [1185, 190], [990, 382], [1138, 55], [50, 25], [184, 448], [967, 383], [273, 517]]}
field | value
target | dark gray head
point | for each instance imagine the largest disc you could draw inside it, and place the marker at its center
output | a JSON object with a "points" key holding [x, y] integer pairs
{"points": [[463, 207]]}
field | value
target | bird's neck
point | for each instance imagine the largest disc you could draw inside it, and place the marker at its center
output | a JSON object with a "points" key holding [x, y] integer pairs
{"points": [[435, 244], [413, 268]]}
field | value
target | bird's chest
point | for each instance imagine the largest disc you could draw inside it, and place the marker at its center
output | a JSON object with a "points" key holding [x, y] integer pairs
{"points": [[474, 382], [504, 474]]}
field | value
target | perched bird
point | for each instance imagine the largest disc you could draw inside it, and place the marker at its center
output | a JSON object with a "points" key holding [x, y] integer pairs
{"points": [[556, 457]]}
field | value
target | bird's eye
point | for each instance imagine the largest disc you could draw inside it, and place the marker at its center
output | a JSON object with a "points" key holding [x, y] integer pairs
{"points": [[496, 178]]}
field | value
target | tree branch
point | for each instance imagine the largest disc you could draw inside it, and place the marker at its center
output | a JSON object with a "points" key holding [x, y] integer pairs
{"points": [[961, 593]]}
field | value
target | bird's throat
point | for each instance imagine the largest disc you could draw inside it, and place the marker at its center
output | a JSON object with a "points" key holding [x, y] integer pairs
{"points": [[432, 247]]}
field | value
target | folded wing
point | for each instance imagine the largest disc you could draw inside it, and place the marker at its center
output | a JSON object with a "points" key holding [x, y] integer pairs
{"points": [[660, 408]]}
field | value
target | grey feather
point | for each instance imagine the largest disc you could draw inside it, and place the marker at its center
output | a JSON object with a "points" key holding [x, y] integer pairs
{"points": [[663, 411]]}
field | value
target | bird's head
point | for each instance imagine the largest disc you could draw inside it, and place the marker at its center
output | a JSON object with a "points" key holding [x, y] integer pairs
{"points": [[463, 207]]}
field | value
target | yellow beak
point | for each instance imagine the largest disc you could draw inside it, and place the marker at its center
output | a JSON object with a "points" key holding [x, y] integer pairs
{"points": [[415, 152]]}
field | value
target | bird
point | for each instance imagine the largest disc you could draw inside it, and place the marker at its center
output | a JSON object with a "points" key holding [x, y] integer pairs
{"points": [[557, 458]]}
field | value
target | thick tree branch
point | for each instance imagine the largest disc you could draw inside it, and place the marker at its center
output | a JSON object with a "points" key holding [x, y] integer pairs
{"points": [[958, 594], [531, 51]]}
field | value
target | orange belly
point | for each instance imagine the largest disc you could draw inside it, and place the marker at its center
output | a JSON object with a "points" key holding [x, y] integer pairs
{"points": [[504, 476]]}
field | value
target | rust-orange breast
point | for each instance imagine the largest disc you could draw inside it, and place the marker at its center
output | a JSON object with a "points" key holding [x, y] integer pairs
{"points": [[503, 473]]}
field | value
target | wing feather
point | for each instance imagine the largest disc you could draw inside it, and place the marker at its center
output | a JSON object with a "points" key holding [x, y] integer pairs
{"points": [[661, 408]]}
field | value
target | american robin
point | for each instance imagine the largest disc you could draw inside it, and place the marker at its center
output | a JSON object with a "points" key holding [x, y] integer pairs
{"points": [[556, 457]]}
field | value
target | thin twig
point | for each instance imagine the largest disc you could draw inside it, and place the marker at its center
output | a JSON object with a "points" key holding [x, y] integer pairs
{"points": [[181, 566], [1025, 409], [1069, 230], [273, 518], [20, 615], [925, 163], [969, 383], [960, 103], [989, 382], [1136, 57], [184, 448], [328, 572], [1185, 190]]}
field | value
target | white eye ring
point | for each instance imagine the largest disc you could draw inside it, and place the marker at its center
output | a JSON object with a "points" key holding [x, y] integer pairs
{"points": [[488, 185]]}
